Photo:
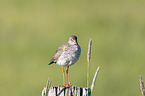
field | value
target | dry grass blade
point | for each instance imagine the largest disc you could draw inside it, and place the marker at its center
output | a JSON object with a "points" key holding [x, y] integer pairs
{"points": [[48, 86], [142, 87], [94, 79], [89, 50], [88, 59], [46, 89]]}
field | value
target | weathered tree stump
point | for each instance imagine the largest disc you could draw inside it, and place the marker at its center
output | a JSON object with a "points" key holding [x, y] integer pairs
{"points": [[65, 91]]}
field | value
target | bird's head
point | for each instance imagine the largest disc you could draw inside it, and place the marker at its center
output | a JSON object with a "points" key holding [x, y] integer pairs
{"points": [[73, 40]]}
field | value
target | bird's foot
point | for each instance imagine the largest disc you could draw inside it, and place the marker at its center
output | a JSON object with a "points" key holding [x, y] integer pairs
{"points": [[64, 85], [70, 85]]}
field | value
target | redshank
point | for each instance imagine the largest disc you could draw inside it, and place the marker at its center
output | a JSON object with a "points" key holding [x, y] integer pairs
{"points": [[66, 55]]}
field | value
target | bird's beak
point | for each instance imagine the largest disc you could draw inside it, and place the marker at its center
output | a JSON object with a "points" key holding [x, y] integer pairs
{"points": [[75, 42]]}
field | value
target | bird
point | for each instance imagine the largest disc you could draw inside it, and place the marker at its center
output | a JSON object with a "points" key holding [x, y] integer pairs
{"points": [[67, 55]]}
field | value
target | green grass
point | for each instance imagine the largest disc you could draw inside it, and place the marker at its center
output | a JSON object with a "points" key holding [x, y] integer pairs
{"points": [[31, 30]]}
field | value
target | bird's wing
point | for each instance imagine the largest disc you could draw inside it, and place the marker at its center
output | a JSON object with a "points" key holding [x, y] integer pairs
{"points": [[57, 54]]}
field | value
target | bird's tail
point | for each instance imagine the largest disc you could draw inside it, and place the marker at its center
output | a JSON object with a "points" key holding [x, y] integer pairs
{"points": [[51, 62]]}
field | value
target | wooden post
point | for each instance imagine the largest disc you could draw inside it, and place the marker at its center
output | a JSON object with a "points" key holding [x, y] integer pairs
{"points": [[65, 91], [68, 91]]}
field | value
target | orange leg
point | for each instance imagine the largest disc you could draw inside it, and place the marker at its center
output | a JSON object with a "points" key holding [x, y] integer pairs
{"points": [[63, 76], [68, 76]]}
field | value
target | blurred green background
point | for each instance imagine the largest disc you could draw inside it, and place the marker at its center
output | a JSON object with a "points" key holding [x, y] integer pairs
{"points": [[31, 31]]}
